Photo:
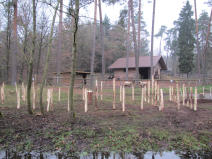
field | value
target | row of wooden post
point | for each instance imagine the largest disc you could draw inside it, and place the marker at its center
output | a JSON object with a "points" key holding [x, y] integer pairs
{"points": [[175, 96], [157, 94]]}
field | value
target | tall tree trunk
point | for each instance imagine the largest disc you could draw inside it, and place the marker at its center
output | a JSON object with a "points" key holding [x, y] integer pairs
{"points": [[134, 40], [139, 28], [39, 52], [30, 67], [47, 59], [205, 49], [152, 38], [74, 59], [94, 46], [15, 51], [197, 40], [24, 51], [8, 42], [59, 52], [102, 39], [128, 40]]}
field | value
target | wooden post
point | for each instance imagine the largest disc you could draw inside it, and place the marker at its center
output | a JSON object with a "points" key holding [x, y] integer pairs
{"points": [[178, 97], [2, 94], [142, 98], [101, 90], [86, 100], [148, 92], [195, 99], [120, 93], [191, 97], [18, 99], [48, 100], [97, 90], [158, 93], [51, 98], [68, 108], [33, 95], [183, 94], [152, 93], [155, 93], [188, 97], [23, 92], [145, 93], [170, 96], [161, 107], [59, 94], [123, 100], [114, 93], [133, 92]]}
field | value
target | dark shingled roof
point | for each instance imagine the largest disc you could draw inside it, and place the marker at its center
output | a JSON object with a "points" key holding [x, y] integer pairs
{"points": [[144, 61]]}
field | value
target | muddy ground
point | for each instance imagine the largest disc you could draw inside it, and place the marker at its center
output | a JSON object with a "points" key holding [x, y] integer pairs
{"points": [[105, 129]]}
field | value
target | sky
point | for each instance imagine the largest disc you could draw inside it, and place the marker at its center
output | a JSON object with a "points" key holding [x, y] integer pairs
{"points": [[167, 11]]}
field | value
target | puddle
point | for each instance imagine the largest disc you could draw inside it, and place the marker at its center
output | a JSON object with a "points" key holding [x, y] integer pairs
{"points": [[104, 155]]}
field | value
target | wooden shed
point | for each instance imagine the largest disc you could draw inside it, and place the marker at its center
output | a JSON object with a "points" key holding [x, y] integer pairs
{"points": [[119, 67]]}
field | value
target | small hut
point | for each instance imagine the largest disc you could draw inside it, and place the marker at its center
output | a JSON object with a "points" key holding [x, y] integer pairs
{"points": [[119, 67]]}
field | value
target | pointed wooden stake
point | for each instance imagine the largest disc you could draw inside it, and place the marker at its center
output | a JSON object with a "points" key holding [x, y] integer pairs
{"points": [[23, 92], [114, 93], [161, 107], [191, 98], [178, 97], [2, 94], [18, 99], [148, 92], [59, 95], [203, 91], [183, 94], [97, 90], [48, 99], [120, 93], [195, 99], [142, 98], [68, 108], [133, 92], [86, 100], [101, 90], [33, 95], [123, 99]]}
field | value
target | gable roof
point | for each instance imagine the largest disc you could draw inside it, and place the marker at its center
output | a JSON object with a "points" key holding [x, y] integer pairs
{"points": [[144, 61]]}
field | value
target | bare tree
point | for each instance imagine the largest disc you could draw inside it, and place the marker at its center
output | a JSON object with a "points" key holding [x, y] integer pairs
{"points": [[205, 48], [102, 39], [152, 38], [43, 29], [30, 64], [128, 39], [59, 52], [94, 45], [197, 39], [134, 40], [139, 28], [8, 37], [15, 51], [47, 59], [75, 16]]}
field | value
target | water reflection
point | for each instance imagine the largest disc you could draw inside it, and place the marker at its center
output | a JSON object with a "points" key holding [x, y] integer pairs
{"points": [[5, 154]]}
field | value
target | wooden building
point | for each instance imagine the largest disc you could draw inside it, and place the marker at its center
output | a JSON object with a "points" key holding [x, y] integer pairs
{"points": [[80, 78], [119, 67]]}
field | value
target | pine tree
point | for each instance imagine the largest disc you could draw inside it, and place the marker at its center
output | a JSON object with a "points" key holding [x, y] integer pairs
{"points": [[186, 39]]}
